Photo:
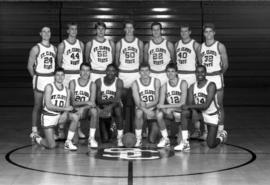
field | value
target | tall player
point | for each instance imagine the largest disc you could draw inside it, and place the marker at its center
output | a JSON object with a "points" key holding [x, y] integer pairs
{"points": [[145, 92], [56, 110], [129, 55], [109, 90], [174, 91], [41, 65], [99, 52], [213, 55], [83, 97], [186, 60], [70, 57], [158, 53], [203, 98]]}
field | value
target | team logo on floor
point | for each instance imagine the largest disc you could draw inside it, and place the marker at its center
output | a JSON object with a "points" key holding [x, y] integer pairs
{"points": [[128, 154]]}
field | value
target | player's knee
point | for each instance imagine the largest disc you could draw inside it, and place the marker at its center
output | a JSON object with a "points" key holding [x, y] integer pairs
{"points": [[93, 112], [74, 117], [159, 115]]}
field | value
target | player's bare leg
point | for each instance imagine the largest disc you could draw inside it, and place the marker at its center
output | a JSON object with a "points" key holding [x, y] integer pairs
{"points": [[220, 95], [72, 129], [36, 112], [94, 121], [184, 144], [138, 126], [118, 111], [162, 126]]}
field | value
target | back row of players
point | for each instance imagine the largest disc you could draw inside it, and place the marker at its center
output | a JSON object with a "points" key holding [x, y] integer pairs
{"points": [[128, 54]]}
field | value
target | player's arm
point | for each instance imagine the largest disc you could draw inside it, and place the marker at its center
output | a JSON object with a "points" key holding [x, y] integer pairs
{"points": [[161, 101], [171, 50], [145, 53], [87, 52], [117, 53], [117, 99], [61, 48], [190, 99], [49, 105], [135, 94], [196, 47], [211, 91], [224, 57], [199, 55], [93, 90], [157, 88], [141, 51], [75, 103], [32, 59], [98, 94], [113, 49], [82, 48]]}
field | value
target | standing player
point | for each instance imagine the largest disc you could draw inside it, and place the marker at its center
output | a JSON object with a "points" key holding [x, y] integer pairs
{"points": [[83, 97], [145, 92], [109, 90], [56, 109], [99, 52], [203, 98], [175, 93], [41, 65], [213, 55], [158, 53], [70, 57], [186, 60], [129, 55]]}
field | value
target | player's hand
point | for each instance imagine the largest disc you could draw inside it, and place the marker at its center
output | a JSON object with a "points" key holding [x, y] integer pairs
{"points": [[69, 108], [142, 104], [159, 106], [91, 104]]}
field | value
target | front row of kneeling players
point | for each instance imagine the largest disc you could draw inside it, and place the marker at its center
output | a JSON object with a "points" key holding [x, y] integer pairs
{"points": [[153, 103]]}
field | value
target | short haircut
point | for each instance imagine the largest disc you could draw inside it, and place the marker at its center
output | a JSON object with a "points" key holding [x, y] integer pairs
{"points": [[144, 64], [155, 24], [171, 65], [85, 64], [201, 66], [209, 25], [129, 22], [46, 26], [59, 69], [100, 23], [71, 24], [112, 65], [185, 25]]}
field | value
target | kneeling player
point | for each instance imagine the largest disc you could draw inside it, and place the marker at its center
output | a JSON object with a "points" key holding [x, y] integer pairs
{"points": [[83, 96], [109, 99], [56, 109], [145, 92], [175, 92], [203, 99]]}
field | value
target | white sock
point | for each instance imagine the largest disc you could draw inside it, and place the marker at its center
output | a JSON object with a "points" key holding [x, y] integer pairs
{"points": [[185, 135], [92, 132], [34, 129], [38, 140], [220, 127], [138, 133], [164, 133], [70, 135], [119, 133]]}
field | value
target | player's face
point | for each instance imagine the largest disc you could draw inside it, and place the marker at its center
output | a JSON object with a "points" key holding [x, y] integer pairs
{"points": [[171, 73], [111, 72], [209, 33], [85, 72], [72, 30], [59, 77], [156, 31], [200, 73], [144, 72], [45, 33], [185, 33], [100, 31], [129, 29]]}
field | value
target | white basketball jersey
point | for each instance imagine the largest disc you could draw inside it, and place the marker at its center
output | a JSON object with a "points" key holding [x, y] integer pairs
{"points": [[108, 92], [72, 56], [159, 56], [173, 93], [211, 58], [100, 54], [58, 98], [129, 55], [200, 94], [147, 93], [82, 93], [45, 62], [186, 56]]}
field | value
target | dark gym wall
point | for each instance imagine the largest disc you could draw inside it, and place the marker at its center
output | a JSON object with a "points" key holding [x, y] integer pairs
{"points": [[243, 27]]}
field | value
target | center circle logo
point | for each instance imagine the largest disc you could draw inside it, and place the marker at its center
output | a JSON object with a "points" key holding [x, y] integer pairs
{"points": [[131, 154]]}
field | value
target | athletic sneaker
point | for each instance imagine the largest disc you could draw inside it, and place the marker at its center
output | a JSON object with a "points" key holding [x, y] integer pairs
{"points": [[81, 134], [195, 135], [222, 135], [183, 146], [32, 135], [138, 142], [203, 136], [119, 142], [92, 143], [70, 146], [163, 142]]}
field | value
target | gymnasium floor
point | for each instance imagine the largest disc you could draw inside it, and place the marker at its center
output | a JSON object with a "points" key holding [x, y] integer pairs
{"points": [[245, 159]]}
